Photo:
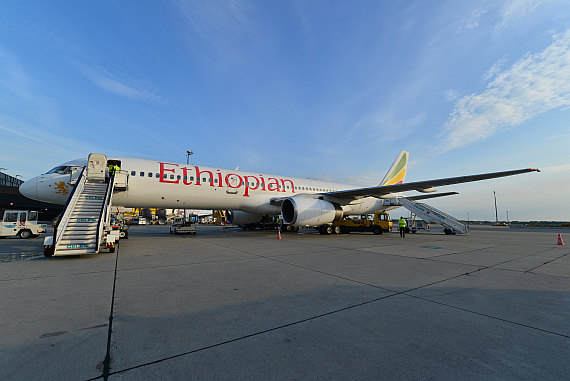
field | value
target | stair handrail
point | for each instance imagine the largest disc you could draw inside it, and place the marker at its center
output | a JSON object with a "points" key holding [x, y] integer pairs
{"points": [[104, 211], [438, 211], [71, 201], [453, 222]]}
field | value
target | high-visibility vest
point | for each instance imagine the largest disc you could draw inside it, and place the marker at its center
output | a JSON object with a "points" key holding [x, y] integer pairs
{"points": [[402, 223]]}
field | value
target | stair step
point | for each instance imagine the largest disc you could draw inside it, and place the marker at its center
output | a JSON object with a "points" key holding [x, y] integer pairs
{"points": [[84, 221], [74, 235], [87, 209], [75, 243], [86, 215], [73, 252]]}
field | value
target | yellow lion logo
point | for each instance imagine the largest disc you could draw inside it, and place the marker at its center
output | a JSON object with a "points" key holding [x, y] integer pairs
{"points": [[61, 188]]}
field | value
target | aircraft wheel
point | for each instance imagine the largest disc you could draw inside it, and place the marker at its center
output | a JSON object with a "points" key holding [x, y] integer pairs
{"points": [[25, 234], [337, 230], [287, 228], [328, 229], [296, 229]]}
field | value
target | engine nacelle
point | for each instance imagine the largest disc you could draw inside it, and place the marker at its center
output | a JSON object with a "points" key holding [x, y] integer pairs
{"points": [[303, 211], [242, 218]]}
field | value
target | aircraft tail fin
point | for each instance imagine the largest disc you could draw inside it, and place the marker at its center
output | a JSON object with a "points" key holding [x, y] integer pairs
{"points": [[397, 172]]}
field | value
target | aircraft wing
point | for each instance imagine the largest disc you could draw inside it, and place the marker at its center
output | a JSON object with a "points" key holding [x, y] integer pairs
{"points": [[422, 186]]}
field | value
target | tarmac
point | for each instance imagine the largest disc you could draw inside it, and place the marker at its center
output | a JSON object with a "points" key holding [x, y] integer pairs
{"points": [[235, 305]]}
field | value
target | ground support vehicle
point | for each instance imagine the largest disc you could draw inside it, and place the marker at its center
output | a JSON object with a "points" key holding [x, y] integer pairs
{"points": [[270, 223], [186, 227], [21, 223], [377, 223]]}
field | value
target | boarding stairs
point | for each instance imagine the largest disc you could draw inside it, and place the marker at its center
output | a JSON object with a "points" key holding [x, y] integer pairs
{"points": [[432, 215], [82, 227]]}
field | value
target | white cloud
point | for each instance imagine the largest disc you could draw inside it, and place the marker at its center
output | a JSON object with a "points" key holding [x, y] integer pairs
{"points": [[472, 19], [535, 84], [451, 95], [512, 12], [494, 70], [109, 83]]}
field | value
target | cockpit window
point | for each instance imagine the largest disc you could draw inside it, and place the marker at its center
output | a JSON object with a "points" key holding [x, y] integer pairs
{"points": [[62, 170]]}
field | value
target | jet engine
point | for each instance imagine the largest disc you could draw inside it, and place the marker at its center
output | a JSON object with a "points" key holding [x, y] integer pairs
{"points": [[303, 211], [242, 218]]}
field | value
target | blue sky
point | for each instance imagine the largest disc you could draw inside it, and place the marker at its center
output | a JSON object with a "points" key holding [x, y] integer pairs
{"points": [[321, 89]]}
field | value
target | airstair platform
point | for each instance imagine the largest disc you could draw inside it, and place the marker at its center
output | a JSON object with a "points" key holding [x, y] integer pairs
{"points": [[81, 228], [432, 215]]}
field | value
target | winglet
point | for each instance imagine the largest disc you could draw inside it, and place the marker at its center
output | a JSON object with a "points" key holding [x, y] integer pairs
{"points": [[397, 172]]}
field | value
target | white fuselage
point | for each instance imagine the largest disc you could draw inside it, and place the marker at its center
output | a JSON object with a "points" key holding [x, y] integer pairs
{"points": [[173, 185]]}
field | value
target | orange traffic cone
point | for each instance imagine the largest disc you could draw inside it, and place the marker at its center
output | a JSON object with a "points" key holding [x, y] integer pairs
{"points": [[223, 228], [279, 236], [560, 240]]}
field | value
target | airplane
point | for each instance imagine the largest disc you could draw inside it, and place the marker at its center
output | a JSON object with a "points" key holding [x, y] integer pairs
{"points": [[247, 195]]}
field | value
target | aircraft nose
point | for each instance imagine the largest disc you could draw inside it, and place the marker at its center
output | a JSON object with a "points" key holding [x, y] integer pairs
{"points": [[30, 189]]}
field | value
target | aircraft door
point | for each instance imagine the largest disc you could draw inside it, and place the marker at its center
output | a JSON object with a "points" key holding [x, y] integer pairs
{"points": [[96, 166], [22, 219], [234, 183], [75, 171]]}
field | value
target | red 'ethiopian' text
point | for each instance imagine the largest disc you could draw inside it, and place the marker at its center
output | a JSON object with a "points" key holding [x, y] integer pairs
{"points": [[175, 174]]}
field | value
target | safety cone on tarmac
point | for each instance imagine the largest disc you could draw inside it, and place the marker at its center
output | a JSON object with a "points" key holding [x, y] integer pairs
{"points": [[560, 240], [223, 228], [279, 235]]}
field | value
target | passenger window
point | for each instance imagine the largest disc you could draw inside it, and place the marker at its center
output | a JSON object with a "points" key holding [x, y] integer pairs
{"points": [[164, 176], [216, 181], [133, 173], [142, 174], [22, 217], [171, 177], [150, 174], [210, 180], [185, 178], [157, 175], [178, 177], [191, 178], [33, 216], [11, 217]]}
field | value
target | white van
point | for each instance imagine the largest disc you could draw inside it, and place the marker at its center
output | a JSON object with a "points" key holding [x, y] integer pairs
{"points": [[22, 223]]}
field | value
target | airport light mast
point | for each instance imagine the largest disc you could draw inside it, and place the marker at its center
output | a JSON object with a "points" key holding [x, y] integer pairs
{"points": [[188, 154], [496, 214]]}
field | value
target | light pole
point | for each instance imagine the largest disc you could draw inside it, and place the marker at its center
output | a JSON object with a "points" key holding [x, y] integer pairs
{"points": [[507, 217], [496, 214], [188, 154]]}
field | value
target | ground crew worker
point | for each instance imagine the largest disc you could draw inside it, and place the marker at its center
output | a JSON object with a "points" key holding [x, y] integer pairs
{"points": [[113, 169], [402, 225]]}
